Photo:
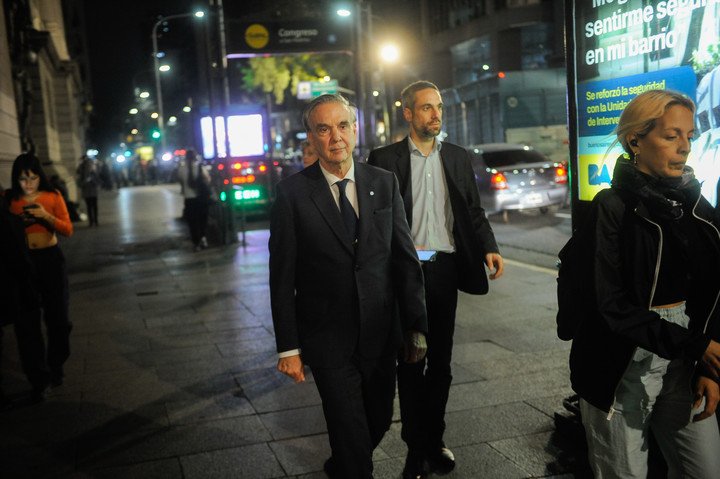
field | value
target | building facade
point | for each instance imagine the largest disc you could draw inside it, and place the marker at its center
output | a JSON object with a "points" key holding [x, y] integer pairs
{"points": [[43, 107], [500, 66]]}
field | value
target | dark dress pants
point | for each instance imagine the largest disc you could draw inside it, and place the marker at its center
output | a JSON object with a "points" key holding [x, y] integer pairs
{"points": [[357, 399], [54, 293], [31, 347], [196, 211], [424, 387], [91, 203]]}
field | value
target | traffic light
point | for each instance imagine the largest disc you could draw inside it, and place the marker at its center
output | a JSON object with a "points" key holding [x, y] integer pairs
{"points": [[155, 134]]}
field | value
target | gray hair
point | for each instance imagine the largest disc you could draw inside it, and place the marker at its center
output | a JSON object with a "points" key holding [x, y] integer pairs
{"points": [[408, 93], [322, 99]]}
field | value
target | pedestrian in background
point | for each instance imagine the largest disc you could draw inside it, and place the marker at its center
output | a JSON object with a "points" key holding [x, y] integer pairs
{"points": [[309, 155], [195, 187], [45, 216], [88, 178], [340, 255], [442, 204], [646, 358]]}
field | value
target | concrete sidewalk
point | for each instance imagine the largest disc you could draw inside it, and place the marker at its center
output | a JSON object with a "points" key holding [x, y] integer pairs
{"points": [[172, 372]]}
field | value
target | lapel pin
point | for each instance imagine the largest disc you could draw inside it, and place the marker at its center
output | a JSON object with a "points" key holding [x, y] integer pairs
{"points": [[372, 193]]}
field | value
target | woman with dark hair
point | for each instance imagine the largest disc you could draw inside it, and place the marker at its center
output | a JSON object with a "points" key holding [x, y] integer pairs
{"points": [[45, 216], [646, 358]]}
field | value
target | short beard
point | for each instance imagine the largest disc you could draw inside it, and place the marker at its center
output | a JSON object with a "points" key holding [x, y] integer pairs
{"points": [[427, 133]]}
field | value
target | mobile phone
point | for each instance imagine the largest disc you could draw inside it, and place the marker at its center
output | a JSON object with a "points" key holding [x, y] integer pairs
{"points": [[426, 254]]}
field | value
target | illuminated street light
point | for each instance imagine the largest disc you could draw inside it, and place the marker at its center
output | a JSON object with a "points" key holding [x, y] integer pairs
{"points": [[362, 42], [133, 111], [389, 53], [158, 89], [144, 94]]}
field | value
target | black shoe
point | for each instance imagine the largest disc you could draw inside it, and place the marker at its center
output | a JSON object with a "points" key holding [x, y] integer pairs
{"points": [[39, 394], [329, 468], [441, 460], [5, 402], [415, 466], [56, 378]]}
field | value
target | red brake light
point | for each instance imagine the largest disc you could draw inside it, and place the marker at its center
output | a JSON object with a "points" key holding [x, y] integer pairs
{"points": [[561, 175], [221, 166], [498, 182]]}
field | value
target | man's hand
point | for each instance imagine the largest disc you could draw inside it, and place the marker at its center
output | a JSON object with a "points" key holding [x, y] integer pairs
{"points": [[494, 262], [711, 359], [414, 347], [708, 389], [293, 367]]}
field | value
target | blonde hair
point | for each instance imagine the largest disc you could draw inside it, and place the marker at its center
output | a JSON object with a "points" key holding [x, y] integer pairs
{"points": [[640, 115]]}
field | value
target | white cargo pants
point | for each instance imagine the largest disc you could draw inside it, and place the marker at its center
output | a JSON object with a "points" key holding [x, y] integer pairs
{"points": [[656, 395]]}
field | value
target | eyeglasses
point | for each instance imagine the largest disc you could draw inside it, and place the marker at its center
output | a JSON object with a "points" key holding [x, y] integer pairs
{"points": [[28, 179]]}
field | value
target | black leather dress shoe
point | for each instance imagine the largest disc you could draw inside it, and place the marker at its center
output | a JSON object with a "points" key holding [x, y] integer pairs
{"points": [[441, 460], [39, 394], [329, 468], [415, 466]]}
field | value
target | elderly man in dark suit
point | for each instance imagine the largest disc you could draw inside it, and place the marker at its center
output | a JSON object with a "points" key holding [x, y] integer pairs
{"points": [[341, 261], [443, 210]]}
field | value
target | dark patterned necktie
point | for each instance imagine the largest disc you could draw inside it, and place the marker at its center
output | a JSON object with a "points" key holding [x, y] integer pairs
{"points": [[346, 210]]}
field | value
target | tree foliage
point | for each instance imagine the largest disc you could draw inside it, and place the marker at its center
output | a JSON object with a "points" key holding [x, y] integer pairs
{"points": [[280, 74]]}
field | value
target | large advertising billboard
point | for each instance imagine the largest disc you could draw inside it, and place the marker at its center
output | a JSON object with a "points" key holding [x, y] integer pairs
{"points": [[621, 48]]}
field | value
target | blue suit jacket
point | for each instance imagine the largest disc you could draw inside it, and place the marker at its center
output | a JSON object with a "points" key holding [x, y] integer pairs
{"points": [[329, 297]]}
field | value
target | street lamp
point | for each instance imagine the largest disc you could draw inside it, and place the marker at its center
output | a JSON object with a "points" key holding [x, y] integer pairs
{"points": [[360, 53], [158, 89], [389, 53]]}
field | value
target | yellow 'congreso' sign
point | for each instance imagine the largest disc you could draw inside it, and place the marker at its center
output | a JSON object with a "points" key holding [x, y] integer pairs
{"points": [[257, 36]]}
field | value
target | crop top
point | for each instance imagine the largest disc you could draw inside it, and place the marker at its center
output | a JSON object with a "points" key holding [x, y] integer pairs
{"points": [[53, 204]]}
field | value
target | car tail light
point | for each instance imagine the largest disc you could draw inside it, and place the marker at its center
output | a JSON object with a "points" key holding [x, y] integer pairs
{"points": [[498, 182], [561, 175]]}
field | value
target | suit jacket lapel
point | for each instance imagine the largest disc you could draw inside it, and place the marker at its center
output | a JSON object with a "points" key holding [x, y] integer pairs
{"points": [[404, 174], [325, 203], [365, 186]]}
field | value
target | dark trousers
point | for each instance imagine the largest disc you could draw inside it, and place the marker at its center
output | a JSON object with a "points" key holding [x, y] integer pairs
{"points": [[196, 215], [424, 387], [357, 399], [31, 347], [92, 209], [55, 299]]}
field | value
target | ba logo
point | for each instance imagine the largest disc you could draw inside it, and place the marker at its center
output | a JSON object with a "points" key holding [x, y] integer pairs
{"points": [[598, 175]]}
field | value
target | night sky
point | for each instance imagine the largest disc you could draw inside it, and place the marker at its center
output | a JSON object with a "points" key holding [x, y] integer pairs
{"points": [[120, 48], [120, 45]]}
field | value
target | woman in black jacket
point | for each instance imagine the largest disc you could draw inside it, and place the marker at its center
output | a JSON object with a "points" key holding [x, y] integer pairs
{"points": [[647, 357]]}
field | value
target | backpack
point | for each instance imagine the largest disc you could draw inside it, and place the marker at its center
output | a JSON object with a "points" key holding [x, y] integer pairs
{"points": [[576, 275], [575, 282]]}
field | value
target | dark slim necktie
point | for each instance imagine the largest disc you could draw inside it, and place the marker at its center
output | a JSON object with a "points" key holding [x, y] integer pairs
{"points": [[346, 210]]}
